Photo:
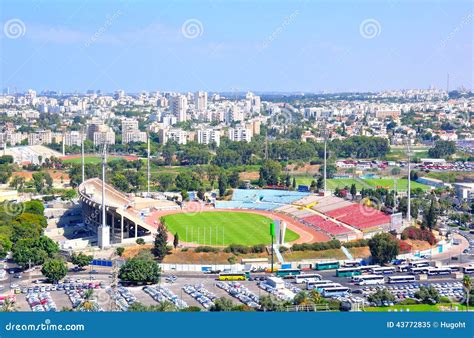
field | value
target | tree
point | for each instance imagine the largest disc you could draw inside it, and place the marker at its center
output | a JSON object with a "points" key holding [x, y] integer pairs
{"points": [[140, 270], [160, 248], [119, 251], [165, 180], [201, 194], [54, 270], [467, 285], [222, 304], [8, 305], [269, 173], [184, 195], [222, 182], [287, 180], [395, 171], [383, 248], [427, 295], [293, 184], [81, 260], [380, 296], [442, 149], [429, 219], [5, 245], [140, 241], [234, 179], [176, 240], [353, 191], [272, 303], [320, 183]]}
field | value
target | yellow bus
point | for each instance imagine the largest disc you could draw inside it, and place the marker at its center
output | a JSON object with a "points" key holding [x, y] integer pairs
{"points": [[233, 275]]}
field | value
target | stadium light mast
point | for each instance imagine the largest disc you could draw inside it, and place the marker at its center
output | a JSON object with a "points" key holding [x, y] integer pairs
{"points": [[82, 156], [104, 230], [409, 183], [325, 159], [148, 166]]}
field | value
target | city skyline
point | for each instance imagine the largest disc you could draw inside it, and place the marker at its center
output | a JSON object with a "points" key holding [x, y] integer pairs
{"points": [[236, 47]]}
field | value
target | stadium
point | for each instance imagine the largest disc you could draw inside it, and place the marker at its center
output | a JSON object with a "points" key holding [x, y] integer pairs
{"points": [[303, 217]]}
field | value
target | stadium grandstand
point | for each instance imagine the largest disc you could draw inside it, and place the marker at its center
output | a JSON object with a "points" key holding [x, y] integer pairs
{"points": [[125, 214]]}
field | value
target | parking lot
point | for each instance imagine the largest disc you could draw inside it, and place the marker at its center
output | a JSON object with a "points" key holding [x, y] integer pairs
{"points": [[202, 290]]}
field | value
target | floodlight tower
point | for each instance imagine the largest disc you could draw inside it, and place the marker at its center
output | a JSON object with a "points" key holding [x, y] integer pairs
{"points": [[82, 156], [325, 158], [148, 165], [409, 183], [104, 229]]}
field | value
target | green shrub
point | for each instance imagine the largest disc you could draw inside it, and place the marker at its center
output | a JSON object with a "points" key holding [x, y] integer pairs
{"points": [[206, 249]]}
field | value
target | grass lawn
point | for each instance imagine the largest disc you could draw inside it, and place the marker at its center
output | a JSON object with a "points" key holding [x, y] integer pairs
{"points": [[223, 228], [402, 184], [89, 160], [414, 308]]}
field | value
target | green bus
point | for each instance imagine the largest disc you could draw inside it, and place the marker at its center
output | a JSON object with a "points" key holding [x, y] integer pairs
{"points": [[327, 265], [288, 272], [348, 272]]}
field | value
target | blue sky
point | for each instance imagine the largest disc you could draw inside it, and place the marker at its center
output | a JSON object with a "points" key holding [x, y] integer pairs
{"points": [[222, 45]]}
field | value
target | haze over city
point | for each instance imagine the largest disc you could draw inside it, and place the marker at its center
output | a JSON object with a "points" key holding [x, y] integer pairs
{"points": [[301, 46]]}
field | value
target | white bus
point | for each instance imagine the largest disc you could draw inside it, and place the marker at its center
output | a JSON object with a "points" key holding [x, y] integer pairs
{"points": [[419, 263], [468, 269], [417, 271], [439, 271], [314, 284], [368, 279], [367, 268], [401, 279], [351, 264], [383, 270], [336, 291], [308, 276], [321, 288], [455, 268], [403, 268]]}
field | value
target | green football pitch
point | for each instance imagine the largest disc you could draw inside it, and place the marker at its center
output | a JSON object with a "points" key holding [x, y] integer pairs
{"points": [[223, 228]]}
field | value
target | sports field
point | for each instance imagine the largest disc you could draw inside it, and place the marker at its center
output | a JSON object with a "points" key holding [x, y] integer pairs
{"points": [[223, 228], [333, 183], [92, 159]]}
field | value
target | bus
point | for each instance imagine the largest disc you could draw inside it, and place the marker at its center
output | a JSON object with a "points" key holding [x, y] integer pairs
{"points": [[326, 265], [351, 264], [234, 275], [455, 268], [403, 268], [401, 279], [315, 284], [335, 291], [288, 272], [419, 263], [439, 271], [367, 268], [417, 271], [321, 288], [468, 269], [368, 279], [307, 276], [348, 272], [383, 270]]}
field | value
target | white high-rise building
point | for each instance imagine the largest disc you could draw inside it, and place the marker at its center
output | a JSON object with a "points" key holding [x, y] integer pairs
{"points": [[179, 107], [207, 136], [73, 138], [129, 125], [238, 134], [200, 101]]}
